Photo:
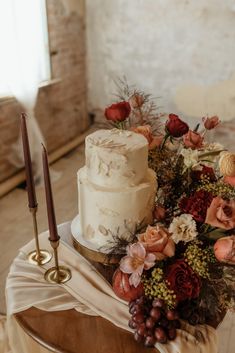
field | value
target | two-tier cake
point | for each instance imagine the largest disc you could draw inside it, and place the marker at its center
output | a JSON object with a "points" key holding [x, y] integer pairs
{"points": [[116, 189]]}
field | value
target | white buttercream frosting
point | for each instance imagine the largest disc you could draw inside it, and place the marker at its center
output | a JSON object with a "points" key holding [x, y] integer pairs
{"points": [[107, 212], [116, 157], [116, 188]]}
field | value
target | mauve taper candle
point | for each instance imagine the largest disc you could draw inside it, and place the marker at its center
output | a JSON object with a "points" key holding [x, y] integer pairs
{"points": [[28, 164], [53, 233]]}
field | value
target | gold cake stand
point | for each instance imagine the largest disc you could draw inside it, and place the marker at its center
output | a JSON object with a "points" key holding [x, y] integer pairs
{"points": [[95, 256], [90, 254]]}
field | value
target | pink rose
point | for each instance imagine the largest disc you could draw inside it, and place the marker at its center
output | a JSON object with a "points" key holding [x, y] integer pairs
{"points": [[229, 180], [224, 249], [221, 213], [193, 140], [157, 240], [146, 131], [211, 123]]}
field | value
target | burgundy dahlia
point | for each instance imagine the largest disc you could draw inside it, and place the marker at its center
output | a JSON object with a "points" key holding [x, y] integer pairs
{"points": [[196, 204]]}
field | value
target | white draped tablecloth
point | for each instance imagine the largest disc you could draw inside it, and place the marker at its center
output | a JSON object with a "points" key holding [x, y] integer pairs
{"points": [[87, 292]]}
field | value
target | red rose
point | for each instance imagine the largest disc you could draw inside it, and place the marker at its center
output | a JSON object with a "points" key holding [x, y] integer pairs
{"points": [[185, 283], [196, 204], [175, 126], [118, 112]]}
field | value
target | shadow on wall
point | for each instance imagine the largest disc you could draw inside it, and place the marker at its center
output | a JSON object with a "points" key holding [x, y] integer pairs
{"points": [[218, 99]]}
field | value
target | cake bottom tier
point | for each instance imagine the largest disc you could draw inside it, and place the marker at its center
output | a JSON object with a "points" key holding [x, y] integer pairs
{"points": [[106, 213]]}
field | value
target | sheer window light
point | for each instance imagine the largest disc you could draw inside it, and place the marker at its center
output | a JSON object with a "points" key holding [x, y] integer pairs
{"points": [[24, 49]]}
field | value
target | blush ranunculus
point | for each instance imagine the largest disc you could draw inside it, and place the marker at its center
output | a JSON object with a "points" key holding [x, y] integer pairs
{"points": [[211, 123], [118, 112], [224, 249], [157, 240], [221, 213], [193, 140], [146, 131], [185, 283], [175, 126], [122, 287]]}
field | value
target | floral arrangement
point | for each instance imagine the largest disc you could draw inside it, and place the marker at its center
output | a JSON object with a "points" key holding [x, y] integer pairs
{"points": [[180, 267]]}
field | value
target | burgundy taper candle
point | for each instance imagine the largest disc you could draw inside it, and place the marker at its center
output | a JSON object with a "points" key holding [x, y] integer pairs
{"points": [[53, 233], [28, 164]]}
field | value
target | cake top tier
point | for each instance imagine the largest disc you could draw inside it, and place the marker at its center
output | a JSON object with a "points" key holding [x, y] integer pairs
{"points": [[116, 158]]}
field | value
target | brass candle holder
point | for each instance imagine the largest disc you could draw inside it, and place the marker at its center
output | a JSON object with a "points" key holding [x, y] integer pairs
{"points": [[38, 256], [57, 274]]}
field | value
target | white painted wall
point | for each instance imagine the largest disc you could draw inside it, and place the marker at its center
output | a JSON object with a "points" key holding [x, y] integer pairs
{"points": [[181, 50]]}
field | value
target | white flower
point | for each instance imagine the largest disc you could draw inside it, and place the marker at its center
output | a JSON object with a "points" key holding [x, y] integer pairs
{"points": [[190, 157], [208, 156], [183, 228]]}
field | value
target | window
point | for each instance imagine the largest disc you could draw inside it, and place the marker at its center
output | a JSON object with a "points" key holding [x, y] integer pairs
{"points": [[23, 39]]}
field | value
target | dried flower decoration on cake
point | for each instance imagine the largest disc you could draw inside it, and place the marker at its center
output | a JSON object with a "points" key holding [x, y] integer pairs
{"points": [[184, 261]]}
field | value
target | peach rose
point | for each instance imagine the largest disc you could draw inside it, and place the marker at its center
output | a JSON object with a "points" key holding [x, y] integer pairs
{"points": [[221, 213], [193, 140], [224, 249], [157, 240], [146, 131]]}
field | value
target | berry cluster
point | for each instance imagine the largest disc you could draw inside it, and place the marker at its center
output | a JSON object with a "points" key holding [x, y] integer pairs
{"points": [[152, 321]]}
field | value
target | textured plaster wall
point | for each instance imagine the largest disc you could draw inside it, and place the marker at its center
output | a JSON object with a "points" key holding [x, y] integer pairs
{"points": [[181, 50]]}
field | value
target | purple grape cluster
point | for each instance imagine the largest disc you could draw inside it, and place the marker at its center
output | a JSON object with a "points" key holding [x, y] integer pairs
{"points": [[152, 321]]}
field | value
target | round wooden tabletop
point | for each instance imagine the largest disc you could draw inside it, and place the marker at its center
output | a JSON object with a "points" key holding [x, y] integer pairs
{"points": [[72, 332]]}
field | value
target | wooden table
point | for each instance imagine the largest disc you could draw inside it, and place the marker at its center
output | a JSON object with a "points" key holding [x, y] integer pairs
{"points": [[71, 332]]}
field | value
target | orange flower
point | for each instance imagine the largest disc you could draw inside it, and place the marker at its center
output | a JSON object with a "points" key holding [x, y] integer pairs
{"points": [[193, 140], [157, 240], [221, 213], [146, 131], [224, 249]]}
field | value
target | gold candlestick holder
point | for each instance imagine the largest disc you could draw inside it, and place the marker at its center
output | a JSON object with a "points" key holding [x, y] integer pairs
{"points": [[38, 256], [57, 274]]}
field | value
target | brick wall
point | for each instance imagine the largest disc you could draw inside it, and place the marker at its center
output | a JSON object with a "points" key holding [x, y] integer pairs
{"points": [[61, 107]]}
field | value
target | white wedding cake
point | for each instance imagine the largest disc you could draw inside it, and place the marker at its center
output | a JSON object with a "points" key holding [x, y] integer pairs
{"points": [[116, 188]]}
